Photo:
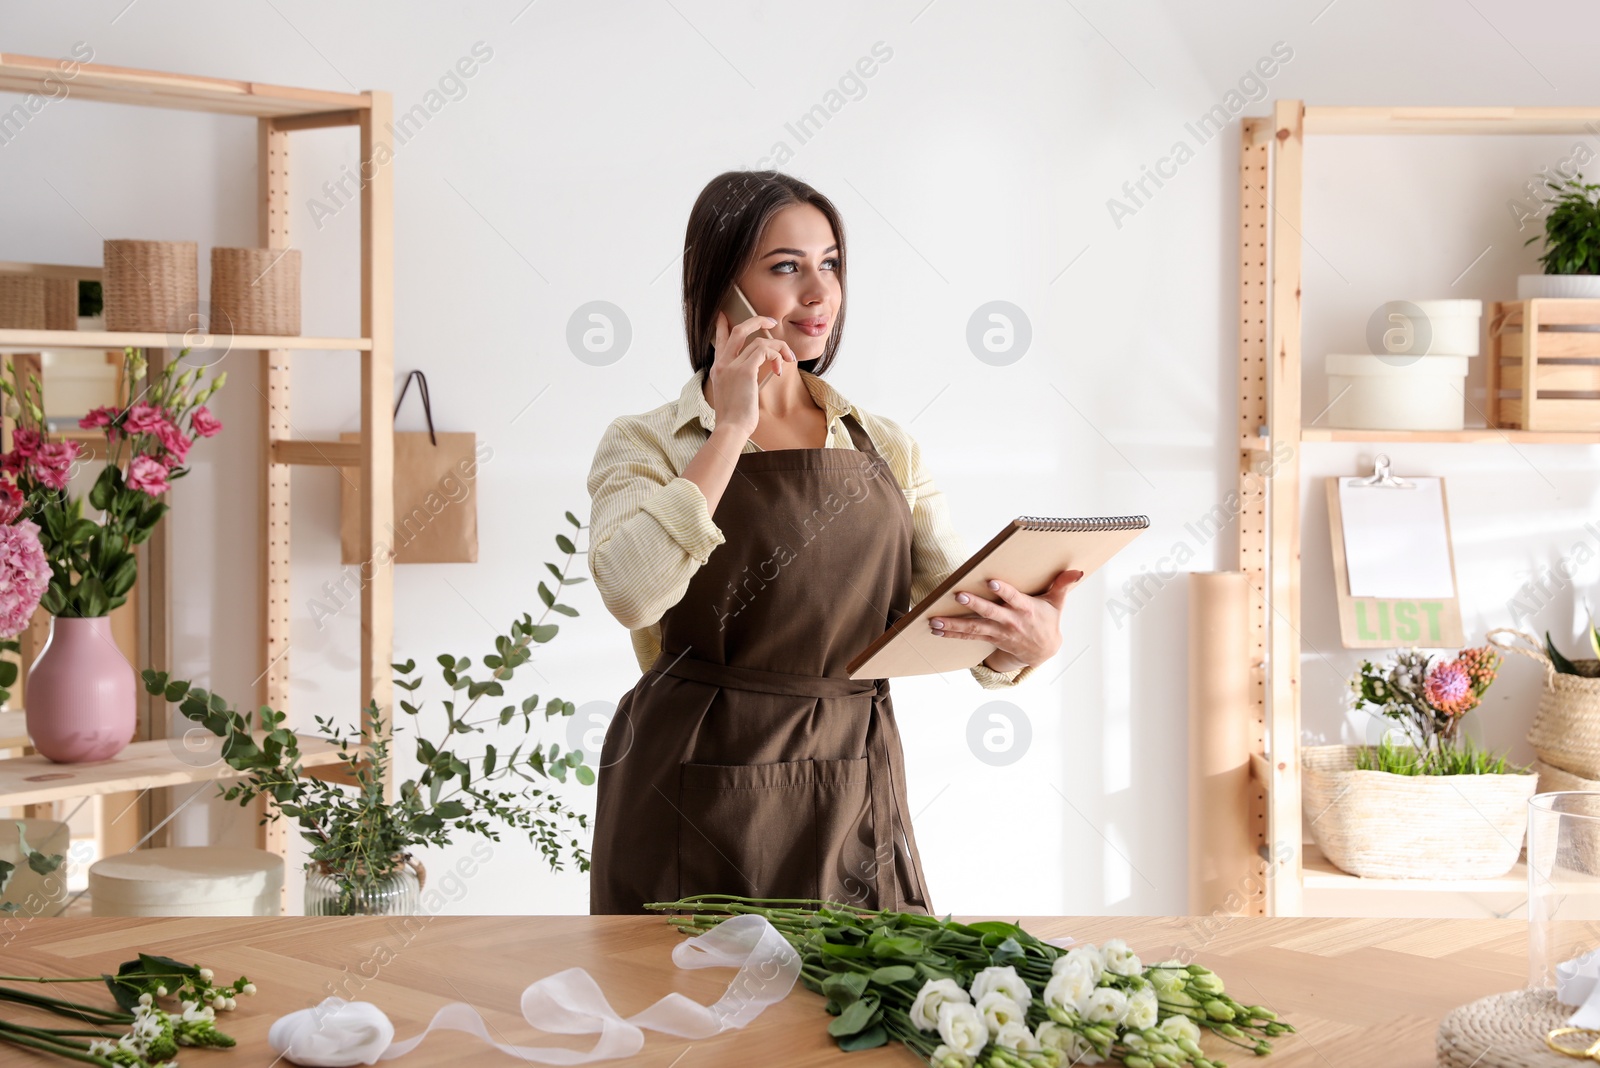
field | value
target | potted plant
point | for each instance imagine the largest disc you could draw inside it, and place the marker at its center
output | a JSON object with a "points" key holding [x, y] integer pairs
{"points": [[1436, 806], [1565, 732], [81, 689], [1572, 245], [360, 860]]}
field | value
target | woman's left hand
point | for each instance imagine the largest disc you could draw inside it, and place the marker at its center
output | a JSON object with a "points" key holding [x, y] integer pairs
{"points": [[1025, 630]]}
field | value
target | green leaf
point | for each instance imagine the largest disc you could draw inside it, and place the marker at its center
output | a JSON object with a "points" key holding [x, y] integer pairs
{"points": [[546, 596], [1563, 665], [573, 520], [584, 775], [488, 760], [565, 610], [871, 1038], [564, 543], [856, 1017], [893, 973], [845, 988]]}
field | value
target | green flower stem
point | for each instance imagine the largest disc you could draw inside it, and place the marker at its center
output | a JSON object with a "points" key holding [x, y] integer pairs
{"points": [[88, 1013], [46, 1035], [7, 1035]]}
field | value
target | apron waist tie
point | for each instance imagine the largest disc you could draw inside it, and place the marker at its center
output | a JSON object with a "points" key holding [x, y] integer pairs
{"points": [[887, 819]]}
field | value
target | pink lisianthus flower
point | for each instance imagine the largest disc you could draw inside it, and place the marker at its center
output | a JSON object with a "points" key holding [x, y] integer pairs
{"points": [[10, 503], [104, 415], [174, 442], [25, 441], [143, 419], [24, 575], [51, 466], [203, 422], [13, 463], [148, 475]]}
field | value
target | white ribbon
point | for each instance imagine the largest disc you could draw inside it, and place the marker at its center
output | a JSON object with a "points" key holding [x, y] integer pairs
{"points": [[1578, 983], [338, 1033]]}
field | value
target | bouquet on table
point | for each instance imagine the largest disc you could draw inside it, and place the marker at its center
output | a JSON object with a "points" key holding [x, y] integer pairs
{"points": [[991, 994]]}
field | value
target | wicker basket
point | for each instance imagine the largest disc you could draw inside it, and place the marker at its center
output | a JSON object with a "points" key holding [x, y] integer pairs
{"points": [[1385, 826], [61, 304], [1566, 729], [151, 286], [255, 291], [21, 302]]}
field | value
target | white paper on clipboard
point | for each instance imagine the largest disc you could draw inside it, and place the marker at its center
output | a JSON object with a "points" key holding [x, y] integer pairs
{"points": [[1396, 541]]}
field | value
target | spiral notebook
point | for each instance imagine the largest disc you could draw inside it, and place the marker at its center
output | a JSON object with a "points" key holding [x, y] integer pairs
{"points": [[1028, 553]]}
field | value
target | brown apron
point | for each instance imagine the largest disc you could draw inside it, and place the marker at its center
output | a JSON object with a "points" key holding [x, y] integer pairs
{"points": [[745, 760]]}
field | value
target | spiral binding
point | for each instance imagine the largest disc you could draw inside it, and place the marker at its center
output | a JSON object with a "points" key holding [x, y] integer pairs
{"points": [[1105, 522]]}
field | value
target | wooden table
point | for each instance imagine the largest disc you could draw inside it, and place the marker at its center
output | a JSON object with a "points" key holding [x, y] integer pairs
{"points": [[1362, 992]]}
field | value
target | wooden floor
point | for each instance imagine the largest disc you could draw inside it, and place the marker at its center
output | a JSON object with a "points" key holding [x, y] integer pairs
{"points": [[1363, 992]]}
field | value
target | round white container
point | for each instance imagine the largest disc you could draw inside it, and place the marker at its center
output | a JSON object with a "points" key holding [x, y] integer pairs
{"points": [[187, 881], [35, 894], [1561, 286], [1409, 393], [1448, 327]]}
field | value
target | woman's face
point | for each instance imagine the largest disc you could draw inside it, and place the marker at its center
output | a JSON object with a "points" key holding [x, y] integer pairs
{"points": [[795, 280]]}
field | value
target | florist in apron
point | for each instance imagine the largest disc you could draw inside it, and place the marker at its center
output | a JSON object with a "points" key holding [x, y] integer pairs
{"points": [[745, 760]]}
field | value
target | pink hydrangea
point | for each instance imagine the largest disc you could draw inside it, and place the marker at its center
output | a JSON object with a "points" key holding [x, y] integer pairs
{"points": [[51, 466], [143, 419], [148, 474], [203, 422], [174, 442], [24, 575]]}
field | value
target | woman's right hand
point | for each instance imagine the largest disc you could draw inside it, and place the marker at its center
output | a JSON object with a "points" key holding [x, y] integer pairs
{"points": [[736, 369]]}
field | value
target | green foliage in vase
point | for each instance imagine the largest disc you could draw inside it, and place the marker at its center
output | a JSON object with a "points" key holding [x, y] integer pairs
{"points": [[1571, 229]]}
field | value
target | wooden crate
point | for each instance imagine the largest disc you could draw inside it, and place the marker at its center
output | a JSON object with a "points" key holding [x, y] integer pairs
{"points": [[1541, 378]]}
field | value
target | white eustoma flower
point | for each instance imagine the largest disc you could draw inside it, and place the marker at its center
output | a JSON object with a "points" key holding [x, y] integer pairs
{"points": [[1079, 1050], [945, 1057], [1106, 1004], [997, 1010], [1015, 1035], [1087, 953], [1005, 979], [1142, 1009], [1069, 988], [935, 992], [1120, 960], [1179, 1026], [961, 1028], [1168, 980]]}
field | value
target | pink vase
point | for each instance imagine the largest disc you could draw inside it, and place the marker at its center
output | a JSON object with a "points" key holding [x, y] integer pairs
{"points": [[80, 695]]}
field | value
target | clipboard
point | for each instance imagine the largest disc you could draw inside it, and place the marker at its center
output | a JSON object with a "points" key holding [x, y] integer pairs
{"points": [[1424, 616], [1028, 553]]}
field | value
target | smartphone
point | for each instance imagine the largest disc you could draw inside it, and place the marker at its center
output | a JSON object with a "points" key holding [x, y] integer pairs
{"points": [[736, 306]]}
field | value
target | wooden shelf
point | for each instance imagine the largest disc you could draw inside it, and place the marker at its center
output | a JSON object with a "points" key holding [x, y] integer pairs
{"points": [[1344, 119], [185, 92], [117, 339], [13, 729], [1475, 435], [35, 779]]}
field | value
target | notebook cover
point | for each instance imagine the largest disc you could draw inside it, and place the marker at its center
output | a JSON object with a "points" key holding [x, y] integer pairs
{"points": [[1028, 553]]}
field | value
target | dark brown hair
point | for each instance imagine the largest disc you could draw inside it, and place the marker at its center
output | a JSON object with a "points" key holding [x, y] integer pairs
{"points": [[720, 242]]}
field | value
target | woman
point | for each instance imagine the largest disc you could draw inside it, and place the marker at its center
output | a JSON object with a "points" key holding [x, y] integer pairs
{"points": [[754, 535]]}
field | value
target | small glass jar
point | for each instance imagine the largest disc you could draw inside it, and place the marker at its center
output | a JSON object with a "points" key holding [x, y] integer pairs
{"points": [[1563, 881], [395, 894]]}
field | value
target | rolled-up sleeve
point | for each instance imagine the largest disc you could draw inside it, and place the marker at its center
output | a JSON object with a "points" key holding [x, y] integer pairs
{"points": [[649, 528], [937, 549]]}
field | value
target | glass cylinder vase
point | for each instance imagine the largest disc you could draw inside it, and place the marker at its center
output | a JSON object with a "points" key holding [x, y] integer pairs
{"points": [[1563, 881], [396, 893]]}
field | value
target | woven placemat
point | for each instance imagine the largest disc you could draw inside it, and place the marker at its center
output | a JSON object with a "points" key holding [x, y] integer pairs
{"points": [[1505, 1031]]}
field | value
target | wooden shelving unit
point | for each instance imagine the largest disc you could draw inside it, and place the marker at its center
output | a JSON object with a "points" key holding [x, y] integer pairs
{"points": [[1271, 434], [153, 761]]}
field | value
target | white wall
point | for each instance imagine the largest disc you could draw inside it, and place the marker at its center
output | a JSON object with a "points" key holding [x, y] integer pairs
{"points": [[976, 164]]}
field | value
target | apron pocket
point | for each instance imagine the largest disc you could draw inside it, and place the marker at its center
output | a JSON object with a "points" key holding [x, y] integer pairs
{"points": [[769, 830]]}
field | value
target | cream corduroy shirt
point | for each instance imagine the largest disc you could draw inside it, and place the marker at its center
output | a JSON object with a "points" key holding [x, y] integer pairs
{"points": [[650, 529]]}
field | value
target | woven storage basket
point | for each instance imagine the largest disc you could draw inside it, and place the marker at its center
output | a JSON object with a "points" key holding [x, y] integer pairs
{"points": [[1384, 826], [151, 286], [61, 304], [255, 291], [1504, 1031], [21, 302], [1566, 729]]}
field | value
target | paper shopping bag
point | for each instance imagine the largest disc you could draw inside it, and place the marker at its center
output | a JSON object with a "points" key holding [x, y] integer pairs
{"points": [[435, 495]]}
